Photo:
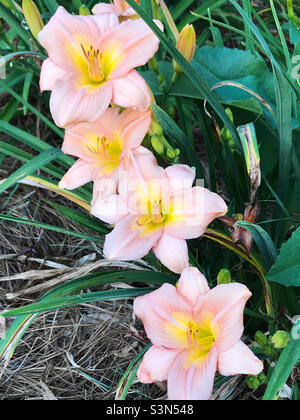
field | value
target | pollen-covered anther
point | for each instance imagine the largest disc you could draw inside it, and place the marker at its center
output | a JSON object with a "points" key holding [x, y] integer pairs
{"points": [[95, 63]]}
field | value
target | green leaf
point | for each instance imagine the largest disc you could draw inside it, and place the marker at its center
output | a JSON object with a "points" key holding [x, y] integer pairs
{"points": [[172, 130], [288, 359], [218, 65], [13, 22], [200, 84], [66, 302], [286, 270], [30, 167], [263, 241], [51, 227]]}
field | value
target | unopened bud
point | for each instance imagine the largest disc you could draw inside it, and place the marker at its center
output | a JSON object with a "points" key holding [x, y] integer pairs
{"points": [[261, 339], [156, 128], [280, 339], [253, 382], [224, 276], [229, 113], [157, 145], [33, 17], [186, 45], [84, 10], [171, 154]]}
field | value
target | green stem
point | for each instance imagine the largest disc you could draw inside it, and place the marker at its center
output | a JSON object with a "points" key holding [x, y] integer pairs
{"points": [[291, 14]]}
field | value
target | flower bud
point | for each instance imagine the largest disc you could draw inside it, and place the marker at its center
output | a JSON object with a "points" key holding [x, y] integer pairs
{"points": [[186, 44], [280, 339], [156, 128], [157, 145], [33, 17], [84, 10], [224, 276], [253, 382], [261, 339]]}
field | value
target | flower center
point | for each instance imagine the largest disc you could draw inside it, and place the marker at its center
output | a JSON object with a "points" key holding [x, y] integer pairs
{"points": [[155, 214], [95, 64], [200, 338]]}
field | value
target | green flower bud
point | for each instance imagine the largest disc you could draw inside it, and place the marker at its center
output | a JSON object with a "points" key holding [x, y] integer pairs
{"points": [[84, 10], [33, 17], [171, 153], [157, 145], [262, 378], [280, 339], [253, 382], [224, 276], [229, 113], [153, 64], [261, 339], [156, 128], [172, 111]]}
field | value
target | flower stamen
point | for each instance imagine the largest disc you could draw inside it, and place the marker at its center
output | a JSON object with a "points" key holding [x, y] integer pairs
{"points": [[95, 64]]}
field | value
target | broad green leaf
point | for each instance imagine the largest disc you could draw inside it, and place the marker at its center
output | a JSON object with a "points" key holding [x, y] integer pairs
{"points": [[263, 241], [286, 270], [288, 359]]}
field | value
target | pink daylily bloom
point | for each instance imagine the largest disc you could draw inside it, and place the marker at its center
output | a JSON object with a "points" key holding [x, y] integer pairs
{"points": [[163, 210], [103, 148], [120, 7], [195, 331], [91, 63]]}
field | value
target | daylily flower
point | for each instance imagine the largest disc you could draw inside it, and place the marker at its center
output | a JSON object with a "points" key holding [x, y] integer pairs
{"points": [[91, 64], [120, 7], [195, 331], [163, 210], [103, 148]]}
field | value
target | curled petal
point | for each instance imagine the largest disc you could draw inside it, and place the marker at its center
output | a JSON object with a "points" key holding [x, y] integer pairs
{"points": [[50, 73], [79, 174], [192, 284], [110, 209], [172, 253], [131, 91], [239, 360], [156, 365], [181, 177]]}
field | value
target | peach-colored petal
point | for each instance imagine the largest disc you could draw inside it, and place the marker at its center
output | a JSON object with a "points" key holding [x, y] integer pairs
{"points": [[156, 365], [79, 174], [63, 35], [50, 73], [165, 315], [71, 106], [104, 186], [133, 127], [195, 381], [194, 210], [131, 91], [226, 303], [135, 43], [172, 253], [192, 284], [181, 177], [110, 209], [103, 8], [239, 359], [129, 241]]}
